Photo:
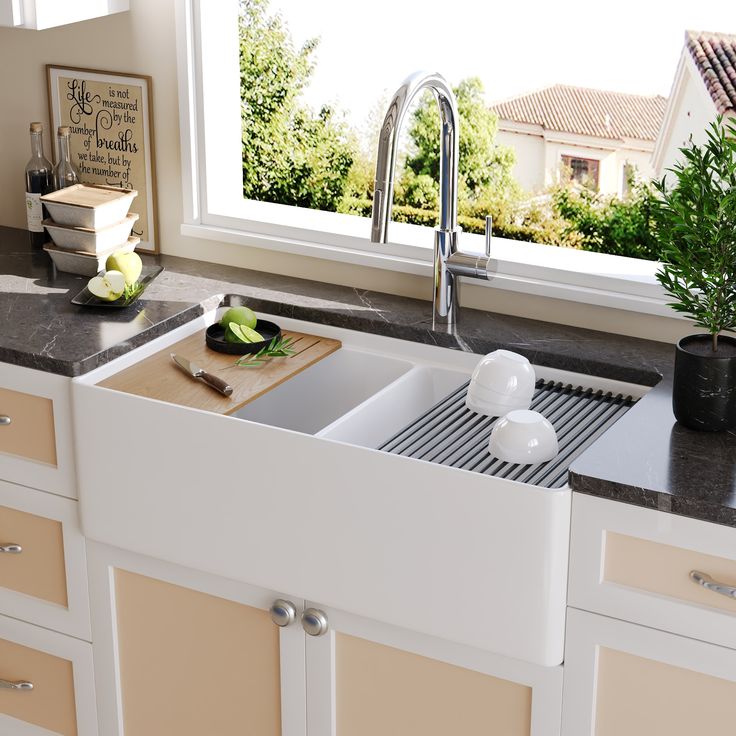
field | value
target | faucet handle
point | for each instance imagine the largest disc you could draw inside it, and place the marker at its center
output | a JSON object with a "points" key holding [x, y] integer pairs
{"points": [[489, 234]]}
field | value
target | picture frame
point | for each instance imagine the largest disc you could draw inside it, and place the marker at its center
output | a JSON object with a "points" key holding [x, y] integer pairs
{"points": [[110, 115]]}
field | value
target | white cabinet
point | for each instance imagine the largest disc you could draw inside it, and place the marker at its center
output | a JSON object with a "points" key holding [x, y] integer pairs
{"points": [[48, 686], [636, 564], [43, 569], [181, 652], [40, 14], [366, 678], [621, 678], [36, 446]]}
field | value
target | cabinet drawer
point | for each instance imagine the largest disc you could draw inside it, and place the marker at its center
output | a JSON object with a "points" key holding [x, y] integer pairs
{"points": [[636, 564], [627, 680], [27, 426], [43, 576], [35, 430], [59, 668]]}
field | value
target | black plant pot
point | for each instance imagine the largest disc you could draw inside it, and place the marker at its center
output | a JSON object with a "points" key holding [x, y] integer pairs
{"points": [[704, 391]]}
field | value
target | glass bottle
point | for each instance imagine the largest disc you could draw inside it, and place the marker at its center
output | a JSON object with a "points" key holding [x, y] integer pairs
{"points": [[65, 172], [39, 180]]}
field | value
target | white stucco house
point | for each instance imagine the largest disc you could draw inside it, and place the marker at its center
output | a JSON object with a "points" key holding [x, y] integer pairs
{"points": [[704, 87], [601, 136]]}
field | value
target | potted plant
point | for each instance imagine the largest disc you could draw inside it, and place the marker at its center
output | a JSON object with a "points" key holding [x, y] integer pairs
{"points": [[695, 216]]}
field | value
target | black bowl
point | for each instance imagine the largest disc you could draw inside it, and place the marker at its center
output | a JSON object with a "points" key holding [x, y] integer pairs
{"points": [[215, 338]]}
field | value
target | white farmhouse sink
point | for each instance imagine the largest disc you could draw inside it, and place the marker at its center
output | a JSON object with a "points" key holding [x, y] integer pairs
{"points": [[315, 398], [291, 494]]}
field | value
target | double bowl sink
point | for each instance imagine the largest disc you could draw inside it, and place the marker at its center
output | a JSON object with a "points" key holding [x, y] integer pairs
{"points": [[291, 493]]}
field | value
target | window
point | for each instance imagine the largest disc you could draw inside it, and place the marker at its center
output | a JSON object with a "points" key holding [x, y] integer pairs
{"points": [[583, 170], [212, 166]]}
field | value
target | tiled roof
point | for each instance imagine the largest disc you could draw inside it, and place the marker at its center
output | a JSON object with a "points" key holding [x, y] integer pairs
{"points": [[586, 111], [715, 56]]}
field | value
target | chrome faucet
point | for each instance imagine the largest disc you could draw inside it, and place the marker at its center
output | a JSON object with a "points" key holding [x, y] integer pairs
{"points": [[449, 261]]}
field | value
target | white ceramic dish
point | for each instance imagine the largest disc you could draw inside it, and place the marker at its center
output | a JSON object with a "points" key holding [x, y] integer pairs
{"points": [[91, 241], [84, 205], [524, 437], [85, 264], [501, 382]]}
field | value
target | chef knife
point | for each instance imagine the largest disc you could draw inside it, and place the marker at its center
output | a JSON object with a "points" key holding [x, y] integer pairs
{"points": [[194, 371]]}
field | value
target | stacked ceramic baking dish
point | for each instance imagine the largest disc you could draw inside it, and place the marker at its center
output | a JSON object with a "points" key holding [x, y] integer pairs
{"points": [[87, 223]]}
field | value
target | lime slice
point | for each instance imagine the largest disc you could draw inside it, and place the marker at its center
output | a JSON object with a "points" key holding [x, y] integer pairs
{"points": [[240, 333]]}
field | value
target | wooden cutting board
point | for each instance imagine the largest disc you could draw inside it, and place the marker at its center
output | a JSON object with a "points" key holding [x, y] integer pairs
{"points": [[157, 377]]}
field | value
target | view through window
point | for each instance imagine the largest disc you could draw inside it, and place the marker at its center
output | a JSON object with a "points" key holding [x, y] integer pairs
{"points": [[559, 142]]}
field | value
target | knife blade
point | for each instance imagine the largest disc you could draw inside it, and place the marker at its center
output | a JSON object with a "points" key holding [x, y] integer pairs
{"points": [[194, 371]]}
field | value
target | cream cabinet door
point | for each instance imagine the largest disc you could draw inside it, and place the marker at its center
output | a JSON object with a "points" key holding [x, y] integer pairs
{"points": [[621, 678], [367, 678], [180, 653]]}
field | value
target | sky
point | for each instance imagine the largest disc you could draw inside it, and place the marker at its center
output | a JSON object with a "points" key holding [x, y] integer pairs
{"points": [[367, 48]]}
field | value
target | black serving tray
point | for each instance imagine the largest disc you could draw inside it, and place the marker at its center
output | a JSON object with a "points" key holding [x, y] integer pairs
{"points": [[86, 298], [215, 338]]}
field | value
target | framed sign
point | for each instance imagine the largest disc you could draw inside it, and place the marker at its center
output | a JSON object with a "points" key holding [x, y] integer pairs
{"points": [[111, 122]]}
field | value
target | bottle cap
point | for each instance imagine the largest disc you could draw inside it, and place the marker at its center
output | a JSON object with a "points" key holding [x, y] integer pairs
{"points": [[64, 130], [36, 127]]}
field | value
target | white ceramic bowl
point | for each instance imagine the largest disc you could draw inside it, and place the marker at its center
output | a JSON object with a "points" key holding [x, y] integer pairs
{"points": [[91, 241], [89, 205], [85, 264], [501, 382], [524, 437]]}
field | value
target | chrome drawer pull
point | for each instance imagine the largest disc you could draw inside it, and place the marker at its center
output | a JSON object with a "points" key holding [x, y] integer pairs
{"points": [[702, 578], [11, 549], [8, 685], [5, 420]]}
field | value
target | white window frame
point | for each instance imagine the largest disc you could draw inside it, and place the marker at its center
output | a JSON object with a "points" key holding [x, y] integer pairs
{"points": [[209, 99]]}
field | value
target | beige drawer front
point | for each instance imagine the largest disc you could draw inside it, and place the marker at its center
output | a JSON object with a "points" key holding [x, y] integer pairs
{"points": [[627, 680], [38, 569], [36, 436], [51, 703], [663, 569], [27, 426], [46, 582], [635, 564], [59, 668]]}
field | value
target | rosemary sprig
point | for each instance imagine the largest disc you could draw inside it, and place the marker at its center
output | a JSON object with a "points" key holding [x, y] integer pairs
{"points": [[134, 290], [277, 348]]}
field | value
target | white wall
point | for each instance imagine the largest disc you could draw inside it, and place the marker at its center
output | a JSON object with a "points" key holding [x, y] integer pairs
{"points": [[538, 158], [143, 41], [693, 110], [529, 168]]}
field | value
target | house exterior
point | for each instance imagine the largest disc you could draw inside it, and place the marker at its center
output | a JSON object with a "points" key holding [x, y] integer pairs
{"points": [[704, 87], [601, 136]]}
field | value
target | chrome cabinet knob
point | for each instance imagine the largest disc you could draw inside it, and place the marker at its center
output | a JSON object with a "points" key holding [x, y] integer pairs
{"points": [[283, 612], [5, 420], [10, 548], [314, 622]]}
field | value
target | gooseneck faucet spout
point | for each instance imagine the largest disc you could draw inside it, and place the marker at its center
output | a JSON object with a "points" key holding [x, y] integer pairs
{"points": [[449, 262]]}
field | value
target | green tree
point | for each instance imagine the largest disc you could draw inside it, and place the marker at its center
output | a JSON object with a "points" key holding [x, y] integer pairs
{"points": [[484, 166], [607, 224], [290, 155]]}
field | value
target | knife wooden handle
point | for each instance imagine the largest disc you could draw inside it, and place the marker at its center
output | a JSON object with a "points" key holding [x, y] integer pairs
{"points": [[216, 383]]}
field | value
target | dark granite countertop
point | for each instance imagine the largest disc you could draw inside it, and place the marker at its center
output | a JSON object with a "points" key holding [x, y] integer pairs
{"points": [[645, 459]]}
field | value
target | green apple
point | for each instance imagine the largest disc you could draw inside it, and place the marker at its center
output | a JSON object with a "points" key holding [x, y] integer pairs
{"points": [[110, 286], [240, 316], [128, 263]]}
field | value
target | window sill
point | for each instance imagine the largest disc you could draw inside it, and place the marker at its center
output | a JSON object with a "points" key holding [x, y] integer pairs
{"points": [[579, 276]]}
